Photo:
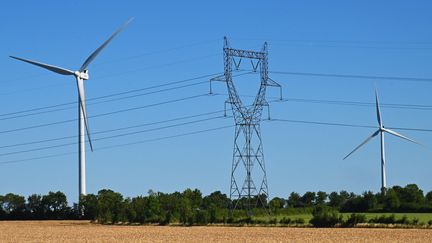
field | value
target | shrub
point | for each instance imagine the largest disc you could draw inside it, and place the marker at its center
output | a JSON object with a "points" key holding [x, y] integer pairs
{"points": [[430, 222], [201, 217], [325, 217], [354, 219], [287, 220], [272, 221], [167, 219], [299, 221], [383, 219], [403, 220]]}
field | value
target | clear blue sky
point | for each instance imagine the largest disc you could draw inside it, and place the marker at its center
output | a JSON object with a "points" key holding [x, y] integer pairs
{"points": [[176, 40]]}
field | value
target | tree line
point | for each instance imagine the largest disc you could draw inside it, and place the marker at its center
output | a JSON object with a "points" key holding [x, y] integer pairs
{"points": [[190, 207]]}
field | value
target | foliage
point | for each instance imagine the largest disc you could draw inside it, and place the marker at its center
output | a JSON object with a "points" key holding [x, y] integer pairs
{"points": [[190, 207], [324, 216], [354, 219]]}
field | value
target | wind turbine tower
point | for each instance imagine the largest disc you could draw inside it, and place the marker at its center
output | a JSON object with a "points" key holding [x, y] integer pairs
{"points": [[83, 125], [381, 131], [248, 146]]}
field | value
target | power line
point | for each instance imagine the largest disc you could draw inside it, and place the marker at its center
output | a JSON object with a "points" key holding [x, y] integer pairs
{"points": [[212, 129], [112, 95], [106, 101], [111, 137], [344, 102], [117, 74], [348, 125], [112, 130], [103, 114], [355, 76], [119, 145], [39, 112]]}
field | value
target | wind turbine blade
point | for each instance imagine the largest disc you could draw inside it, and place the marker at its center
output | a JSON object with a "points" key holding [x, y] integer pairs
{"points": [[97, 51], [52, 68], [363, 143], [401, 136], [83, 107], [378, 111]]}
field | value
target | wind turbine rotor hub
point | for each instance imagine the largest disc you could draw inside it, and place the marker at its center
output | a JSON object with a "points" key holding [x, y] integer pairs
{"points": [[82, 75]]}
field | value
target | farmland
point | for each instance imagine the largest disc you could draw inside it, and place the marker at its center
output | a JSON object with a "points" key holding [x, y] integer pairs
{"points": [[72, 231]]}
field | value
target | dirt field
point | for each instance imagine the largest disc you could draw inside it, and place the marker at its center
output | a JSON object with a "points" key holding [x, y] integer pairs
{"points": [[73, 231]]}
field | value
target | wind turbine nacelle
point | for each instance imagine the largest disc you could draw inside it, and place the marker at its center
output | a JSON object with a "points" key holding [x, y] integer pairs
{"points": [[82, 75]]}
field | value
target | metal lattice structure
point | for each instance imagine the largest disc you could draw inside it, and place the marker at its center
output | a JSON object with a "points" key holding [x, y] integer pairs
{"points": [[248, 147]]}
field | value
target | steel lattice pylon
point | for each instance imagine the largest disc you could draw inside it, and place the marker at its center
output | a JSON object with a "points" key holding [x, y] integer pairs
{"points": [[248, 147]]}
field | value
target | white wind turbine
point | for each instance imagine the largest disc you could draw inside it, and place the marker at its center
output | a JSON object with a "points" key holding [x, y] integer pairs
{"points": [[80, 75], [381, 130]]}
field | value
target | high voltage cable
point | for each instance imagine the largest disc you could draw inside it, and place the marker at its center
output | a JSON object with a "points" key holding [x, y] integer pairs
{"points": [[120, 145], [348, 125], [210, 75], [105, 101], [111, 137], [103, 114], [213, 129], [110, 95], [112, 130], [114, 94], [342, 102], [355, 76], [116, 74]]}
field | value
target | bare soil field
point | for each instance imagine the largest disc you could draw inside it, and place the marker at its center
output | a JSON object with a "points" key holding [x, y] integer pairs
{"points": [[83, 231]]}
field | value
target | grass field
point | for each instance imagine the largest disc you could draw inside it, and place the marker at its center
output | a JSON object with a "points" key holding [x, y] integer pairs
{"points": [[84, 231], [422, 217]]}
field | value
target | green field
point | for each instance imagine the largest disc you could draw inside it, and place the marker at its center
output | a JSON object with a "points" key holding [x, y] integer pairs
{"points": [[422, 217]]}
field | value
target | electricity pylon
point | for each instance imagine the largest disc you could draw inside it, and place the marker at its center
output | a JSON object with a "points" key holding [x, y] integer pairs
{"points": [[248, 147]]}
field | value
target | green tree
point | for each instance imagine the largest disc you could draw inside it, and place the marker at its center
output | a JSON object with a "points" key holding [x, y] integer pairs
{"points": [[294, 200], [277, 203], [336, 200], [428, 198], [308, 198], [13, 205], [216, 199], [89, 206], [324, 216], [152, 208], [55, 205], [35, 206], [320, 198], [110, 206], [391, 200]]}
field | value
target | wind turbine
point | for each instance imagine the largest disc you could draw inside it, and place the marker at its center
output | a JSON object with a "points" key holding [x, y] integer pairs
{"points": [[80, 76], [381, 130]]}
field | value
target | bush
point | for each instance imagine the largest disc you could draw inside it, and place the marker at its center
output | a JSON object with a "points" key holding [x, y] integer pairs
{"points": [[201, 217], [167, 219], [272, 221], [383, 219], [325, 217], [430, 222], [403, 220], [354, 219], [299, 221], [287, 220]]}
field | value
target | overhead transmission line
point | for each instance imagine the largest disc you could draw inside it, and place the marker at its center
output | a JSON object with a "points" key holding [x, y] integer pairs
{"points": [[112, 136], [112, 130], [209, 130], [355, 76], [103, 114], [120, 145], [112, 95], [43, 110]]}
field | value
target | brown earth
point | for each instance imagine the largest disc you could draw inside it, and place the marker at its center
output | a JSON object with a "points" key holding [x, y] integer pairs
{"points": [[83, 231]]}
